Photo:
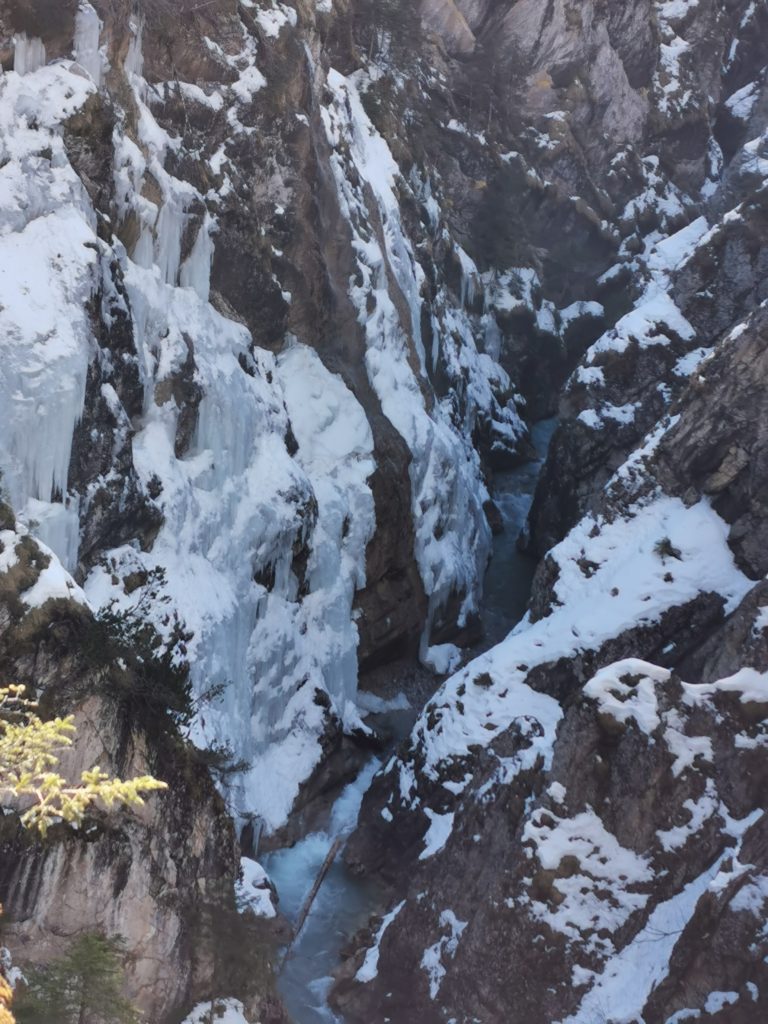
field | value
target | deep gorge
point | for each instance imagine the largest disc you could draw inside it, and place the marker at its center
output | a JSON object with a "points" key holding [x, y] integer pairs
{"points": [[344, 903], [383, 412]]}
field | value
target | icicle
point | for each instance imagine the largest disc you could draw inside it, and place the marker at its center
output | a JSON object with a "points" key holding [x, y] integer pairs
{"points": [[168, 234], [493, 336], [86, 49], [469, 277], [134, 59], [28, 54], [56, 524], [196, 271], [143, 252]]}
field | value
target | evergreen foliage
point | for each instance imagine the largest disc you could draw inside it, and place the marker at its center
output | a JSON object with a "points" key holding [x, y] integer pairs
{"points": [[83, 987], [148, 673]]}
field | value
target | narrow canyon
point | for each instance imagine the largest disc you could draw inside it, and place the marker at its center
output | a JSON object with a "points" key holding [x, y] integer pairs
{"points": [[382, 468]]}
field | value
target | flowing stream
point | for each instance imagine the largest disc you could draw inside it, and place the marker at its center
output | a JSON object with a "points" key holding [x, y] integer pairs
{"points": [[342, 906], [509, 577], [344, 902]]}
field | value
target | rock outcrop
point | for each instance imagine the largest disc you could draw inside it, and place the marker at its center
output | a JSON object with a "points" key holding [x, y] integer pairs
{"points": [[611, 871], [162, 878], [545, 779]]}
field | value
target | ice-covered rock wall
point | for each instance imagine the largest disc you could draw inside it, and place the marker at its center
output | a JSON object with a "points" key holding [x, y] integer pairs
{"points": [[50, 265], [180, 465], [235, 505]]}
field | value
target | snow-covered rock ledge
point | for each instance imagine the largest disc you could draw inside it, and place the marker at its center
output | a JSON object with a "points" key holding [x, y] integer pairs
{"points": [[568, 886]]}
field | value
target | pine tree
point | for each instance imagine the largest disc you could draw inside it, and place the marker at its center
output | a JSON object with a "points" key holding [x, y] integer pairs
{"points": [[83, 987]]}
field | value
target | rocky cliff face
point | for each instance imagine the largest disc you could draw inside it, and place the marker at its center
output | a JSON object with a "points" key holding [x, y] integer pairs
{"points": [[543, 780], [246, 390], [601, 863], [162, 878], [279, 287]]}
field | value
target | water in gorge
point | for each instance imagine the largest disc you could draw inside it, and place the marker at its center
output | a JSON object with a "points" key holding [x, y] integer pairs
{"points": [[509, 577], [342, 906], [345, 902]]}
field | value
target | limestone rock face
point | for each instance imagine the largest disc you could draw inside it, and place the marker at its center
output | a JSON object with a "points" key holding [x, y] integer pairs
{"points": [[493, 863], [161, 877], [447, 19], [718, 283], [717, 448], [568, 887]]}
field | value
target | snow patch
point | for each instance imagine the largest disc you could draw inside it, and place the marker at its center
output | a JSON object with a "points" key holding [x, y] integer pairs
{"points": [[446, 946], [222, 1011], [272, 21], [438, 833], [599, 895], [369, 968], [631, 975], [253, 890], [627, 690]]}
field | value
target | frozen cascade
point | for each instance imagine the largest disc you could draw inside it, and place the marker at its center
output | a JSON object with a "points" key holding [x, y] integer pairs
{"points": [[134, 58], [162, 228], [57, 524], [196, 269], [216, 491], [86, 49], [169, 232], [336, 452], [49, 268], [28, 54], [44, 382], [470, 277], [261, 553], [237, 508]]}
